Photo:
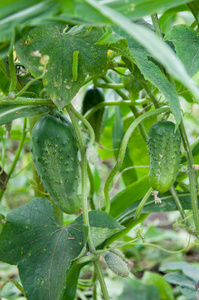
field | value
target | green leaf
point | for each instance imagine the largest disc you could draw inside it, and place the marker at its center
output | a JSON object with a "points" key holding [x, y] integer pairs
{"points": [[122, 42], [16, 15], [43, 249], [103, 226], [187, 286], [156, 47], [163, 286], [167, 205], [118, 133], [11, 112], [59, 46], [186, 43], [33, 239], [128, 196], [135, 289], [187, 269], [133, 9]]}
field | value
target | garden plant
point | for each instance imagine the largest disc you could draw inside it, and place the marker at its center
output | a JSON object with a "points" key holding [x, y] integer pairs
{"points": [[99, 116]]}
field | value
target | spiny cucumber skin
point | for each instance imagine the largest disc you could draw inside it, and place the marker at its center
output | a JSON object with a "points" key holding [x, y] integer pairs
{"points": [[164, 150], [116, 264], [55, 154]]}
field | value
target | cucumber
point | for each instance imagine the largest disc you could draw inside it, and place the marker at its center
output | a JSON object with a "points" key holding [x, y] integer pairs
{"points": [[92, 97], [116, 264], [55, 154], [164, 150]]}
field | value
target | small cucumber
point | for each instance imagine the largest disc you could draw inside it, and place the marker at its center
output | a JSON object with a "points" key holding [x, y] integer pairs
{"points": [[116, 264], [164, 150], [54, 149], [92, 97]]}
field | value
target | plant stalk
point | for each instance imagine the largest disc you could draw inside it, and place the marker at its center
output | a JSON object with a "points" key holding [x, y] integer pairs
{"points": [[192, 177]]}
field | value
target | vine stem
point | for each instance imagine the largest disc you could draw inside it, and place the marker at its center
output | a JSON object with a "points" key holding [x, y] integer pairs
{"points": [[86, 124], [133, 108], [101, 279], [177, 202], [192, 177], [114, 86], [25, 101], [12, 73], [142, 203], [82, 147], [16, 155], [110, 103], [29, 83], [123, 150], [92, 187]]}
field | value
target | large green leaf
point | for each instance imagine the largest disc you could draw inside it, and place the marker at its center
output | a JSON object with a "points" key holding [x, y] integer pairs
{"points": [[9, 113], [60, 46], [186, 285], [186, 43], [33, 239], [183, 275]]}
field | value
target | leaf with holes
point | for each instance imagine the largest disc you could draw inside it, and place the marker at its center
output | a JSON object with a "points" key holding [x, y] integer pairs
{"points": [[60, 46]]}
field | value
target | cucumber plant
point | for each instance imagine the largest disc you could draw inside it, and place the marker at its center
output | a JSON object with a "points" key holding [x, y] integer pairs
{"points": [[97, 85]]}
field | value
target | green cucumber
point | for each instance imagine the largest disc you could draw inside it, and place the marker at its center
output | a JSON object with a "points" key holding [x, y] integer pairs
{"points": [[116, 264], [92, 97], [55, 154], [164, 150]]}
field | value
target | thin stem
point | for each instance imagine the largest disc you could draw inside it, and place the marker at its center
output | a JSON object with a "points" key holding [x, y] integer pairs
{"points": [[86, 124], [103, 104], [151, 96], [92, 187], [101, 279], [177, 202], [156, 25], [142, 203], [3, 152], [42, 93], [133, 108], [28, 84], [82, 147], [114, 86], [192, 177], [12, 73], [25, 101], [123, 150], [16, 155]]}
